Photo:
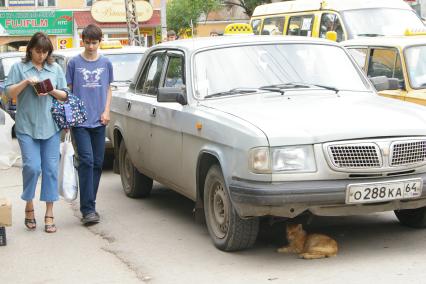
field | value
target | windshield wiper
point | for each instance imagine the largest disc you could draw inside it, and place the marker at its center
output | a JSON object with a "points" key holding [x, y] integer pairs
{"points": [[369, 35], [232, 92], [285, 86]]}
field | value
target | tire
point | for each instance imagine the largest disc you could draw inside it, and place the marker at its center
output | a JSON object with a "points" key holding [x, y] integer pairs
{"points": [[135, 184], [415, 218], [228, 231]]}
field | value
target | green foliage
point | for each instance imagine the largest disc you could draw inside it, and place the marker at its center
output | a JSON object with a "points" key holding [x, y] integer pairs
{"points": [[247, 5], [181, 12]]}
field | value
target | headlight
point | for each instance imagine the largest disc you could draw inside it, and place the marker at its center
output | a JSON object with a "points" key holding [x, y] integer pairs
{"points": [[292, 158]]}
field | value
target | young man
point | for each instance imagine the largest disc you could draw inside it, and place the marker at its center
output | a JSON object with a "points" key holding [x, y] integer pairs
{"points": [[171, 35], [89, 76]]}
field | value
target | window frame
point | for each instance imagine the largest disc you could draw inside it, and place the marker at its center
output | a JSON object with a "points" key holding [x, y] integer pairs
{"points": [[138, 89], [371, 49], [169, 56], [46, 3], [301, 16]]}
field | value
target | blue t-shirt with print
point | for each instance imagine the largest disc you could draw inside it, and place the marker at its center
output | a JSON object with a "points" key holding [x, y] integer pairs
{"points": [[90, 81]]}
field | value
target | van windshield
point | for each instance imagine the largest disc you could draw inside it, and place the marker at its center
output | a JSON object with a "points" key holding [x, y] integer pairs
{"points": [[380, 21], [253, 67], [416, 66]]}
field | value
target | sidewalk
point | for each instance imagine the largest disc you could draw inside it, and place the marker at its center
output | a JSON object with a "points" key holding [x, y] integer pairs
{"points": [[72, 255]]}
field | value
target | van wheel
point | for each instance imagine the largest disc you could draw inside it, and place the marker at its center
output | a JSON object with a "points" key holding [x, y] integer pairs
{"points": [[134, 183], [228, 231], [415, 218]]}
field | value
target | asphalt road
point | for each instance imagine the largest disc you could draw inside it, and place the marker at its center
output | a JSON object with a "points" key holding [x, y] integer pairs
{"points": [[156, 240]]}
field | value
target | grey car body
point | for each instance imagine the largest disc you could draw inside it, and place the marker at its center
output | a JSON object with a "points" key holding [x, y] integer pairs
{"points": [[238, 152]]}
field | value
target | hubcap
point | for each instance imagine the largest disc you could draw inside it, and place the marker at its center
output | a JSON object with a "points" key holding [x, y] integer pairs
{"points": [[219, 210]]}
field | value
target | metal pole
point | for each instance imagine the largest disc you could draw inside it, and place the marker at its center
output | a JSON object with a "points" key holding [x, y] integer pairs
{"points": [[163, 20]]}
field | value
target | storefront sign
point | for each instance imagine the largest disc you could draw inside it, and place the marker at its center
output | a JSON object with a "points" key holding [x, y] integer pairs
{"points": [[111, 11], [22, 3], [64, 42], [27, 23]]}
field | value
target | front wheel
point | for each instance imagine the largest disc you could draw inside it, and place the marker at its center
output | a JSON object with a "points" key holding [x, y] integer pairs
{"points": [[415, 218], [134, 183], [228, 231]]}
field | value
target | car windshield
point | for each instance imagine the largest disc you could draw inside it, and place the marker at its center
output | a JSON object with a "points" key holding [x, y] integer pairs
{"points": [[124, 65], [6, 64], [416, 66], [274, 65], [380, 21]]}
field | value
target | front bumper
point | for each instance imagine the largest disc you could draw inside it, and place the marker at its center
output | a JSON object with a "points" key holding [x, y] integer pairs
{"points": [[323, 197]]}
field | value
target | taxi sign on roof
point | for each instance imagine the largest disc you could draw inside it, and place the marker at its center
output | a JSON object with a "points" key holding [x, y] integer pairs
{"points": [[111, 44], [238, 29], [415, 32]]}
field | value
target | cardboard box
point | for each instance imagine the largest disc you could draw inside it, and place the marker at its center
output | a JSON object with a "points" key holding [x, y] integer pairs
{"points": [[5, 213]]}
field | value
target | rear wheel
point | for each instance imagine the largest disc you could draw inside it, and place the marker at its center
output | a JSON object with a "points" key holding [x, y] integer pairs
{"points": [[415, 218], [134, 183], [228, 231]]}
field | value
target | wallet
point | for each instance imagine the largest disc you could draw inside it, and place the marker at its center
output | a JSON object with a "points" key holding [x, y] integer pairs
{"points": [[43, 86]]}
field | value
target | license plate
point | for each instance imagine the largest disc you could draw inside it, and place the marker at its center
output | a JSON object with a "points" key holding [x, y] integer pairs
{"points": [[384, 191]]}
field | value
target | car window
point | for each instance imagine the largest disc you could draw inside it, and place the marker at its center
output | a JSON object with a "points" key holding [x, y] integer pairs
{"points": [[359, 54], [273, 26], [174, 75], [255, 24], [385, 62], [331, 22], [124, 65], [300, 25], [61, 61], [151, 75]]}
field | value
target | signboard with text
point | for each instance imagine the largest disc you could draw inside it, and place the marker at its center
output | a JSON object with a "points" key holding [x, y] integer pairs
{"points": [[22, 3], [28, 22]]}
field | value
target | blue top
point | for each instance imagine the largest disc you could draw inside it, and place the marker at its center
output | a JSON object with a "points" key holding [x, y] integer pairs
{"points": [[33, 114], [90, 82]]}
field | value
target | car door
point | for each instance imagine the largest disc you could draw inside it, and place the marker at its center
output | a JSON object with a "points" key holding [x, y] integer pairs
{"points": [[167, 121], [138, 106], [386, 61]]}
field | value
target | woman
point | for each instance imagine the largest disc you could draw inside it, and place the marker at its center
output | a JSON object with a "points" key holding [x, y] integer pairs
{"points": [[37, 133]]}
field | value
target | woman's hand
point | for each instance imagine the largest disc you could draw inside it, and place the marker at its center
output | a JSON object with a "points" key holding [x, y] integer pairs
{"points": [[32, 80]]}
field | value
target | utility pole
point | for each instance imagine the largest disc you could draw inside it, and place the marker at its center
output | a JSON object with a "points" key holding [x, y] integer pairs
{"points": [[163, 20], [132, 23]]}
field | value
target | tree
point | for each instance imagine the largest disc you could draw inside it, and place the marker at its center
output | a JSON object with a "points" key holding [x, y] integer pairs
{"points": [[181, 12], [247, 5]]}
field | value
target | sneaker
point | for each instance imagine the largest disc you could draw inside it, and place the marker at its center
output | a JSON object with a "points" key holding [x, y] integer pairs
{"points": [[91, 218]]}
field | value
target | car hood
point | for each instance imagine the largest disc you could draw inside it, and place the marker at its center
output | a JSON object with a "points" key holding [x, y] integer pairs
{"points": [[322, 116]]}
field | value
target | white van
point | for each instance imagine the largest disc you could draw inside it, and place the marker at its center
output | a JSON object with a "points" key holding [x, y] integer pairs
{"points": [[347, 18]]}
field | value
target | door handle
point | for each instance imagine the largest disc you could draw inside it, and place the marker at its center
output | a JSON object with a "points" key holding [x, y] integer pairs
{"points": [[129, 105], [153, 111]]}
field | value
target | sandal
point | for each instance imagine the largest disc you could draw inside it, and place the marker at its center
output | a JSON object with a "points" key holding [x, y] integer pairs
{"points": [[30, 223], [49, 228]]}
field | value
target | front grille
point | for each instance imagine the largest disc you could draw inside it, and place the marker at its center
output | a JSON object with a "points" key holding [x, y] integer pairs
{"points": [[356, 156], [408, 152]]}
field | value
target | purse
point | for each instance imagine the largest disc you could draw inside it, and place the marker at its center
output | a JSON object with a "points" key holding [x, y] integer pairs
{"points": [[69, 113], [43, 87]]}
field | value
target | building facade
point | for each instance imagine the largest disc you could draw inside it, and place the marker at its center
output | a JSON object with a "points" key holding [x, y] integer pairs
{"points": [[64, 20]]}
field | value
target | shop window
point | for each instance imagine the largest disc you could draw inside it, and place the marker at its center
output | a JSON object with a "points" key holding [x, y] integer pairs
{"points": [[300, 25], [90, 2], [273, 26], [46, 3], [2, 3]]}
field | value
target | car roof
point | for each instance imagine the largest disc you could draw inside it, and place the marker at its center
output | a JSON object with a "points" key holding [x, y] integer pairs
{"points": [[389, 41], [337, 5], [194, 44], [12, 54]]}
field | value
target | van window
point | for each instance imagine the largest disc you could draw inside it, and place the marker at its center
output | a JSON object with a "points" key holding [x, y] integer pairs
{"points": [[385, 62], [255, 25], [359, 54], [300, 25], [273, 26], [331, 22]]}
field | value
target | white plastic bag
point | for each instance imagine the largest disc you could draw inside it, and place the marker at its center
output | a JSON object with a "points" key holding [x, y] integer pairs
{"points": [[68, 179], [8, 153]]}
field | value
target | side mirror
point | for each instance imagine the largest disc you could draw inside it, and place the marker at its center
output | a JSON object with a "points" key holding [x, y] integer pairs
{"points": [[331, 35], [382, 83], [172, 95]]}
